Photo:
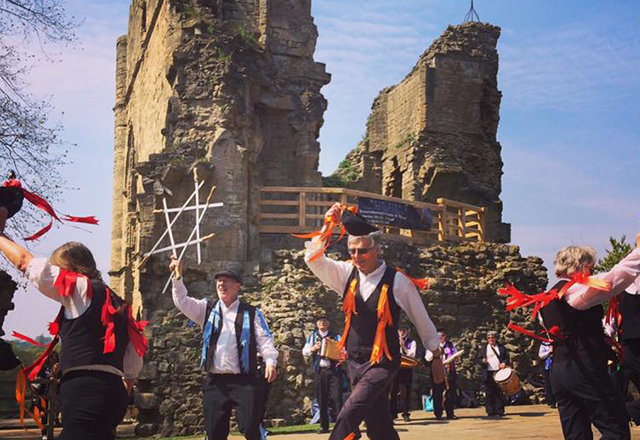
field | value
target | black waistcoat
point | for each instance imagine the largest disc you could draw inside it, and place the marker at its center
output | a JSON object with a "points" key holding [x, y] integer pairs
{"points": [[582, 330], [362, 332], [253, 351], [629, 308], [82, 338]]}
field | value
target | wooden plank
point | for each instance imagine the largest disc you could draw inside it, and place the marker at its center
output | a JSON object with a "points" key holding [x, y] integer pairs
{"points": [[454, 204], [296, 189], [302, 210], [319, 203], [265, 215], [280, 202]]}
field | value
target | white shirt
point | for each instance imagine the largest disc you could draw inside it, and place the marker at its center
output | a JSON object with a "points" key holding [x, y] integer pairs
{"points": [[634, 288], [42, 275], [544, 351], [335, 275], [410, 350], [306, 350], [621, 276], [492, 359], [225, 360]]}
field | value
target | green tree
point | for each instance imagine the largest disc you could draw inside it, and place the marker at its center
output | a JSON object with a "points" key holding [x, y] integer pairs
{"points": [[619, 250]]}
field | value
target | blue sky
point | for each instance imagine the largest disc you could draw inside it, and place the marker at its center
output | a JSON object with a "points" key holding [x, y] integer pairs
{"points": [[569, 128]]}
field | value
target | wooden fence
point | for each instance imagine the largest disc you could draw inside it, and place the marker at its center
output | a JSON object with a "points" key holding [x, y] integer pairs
{"points": [[296, 210]]}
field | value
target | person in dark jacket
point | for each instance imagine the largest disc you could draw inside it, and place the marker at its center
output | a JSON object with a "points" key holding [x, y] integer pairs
{"points": [[580, 379], [492, 357]]}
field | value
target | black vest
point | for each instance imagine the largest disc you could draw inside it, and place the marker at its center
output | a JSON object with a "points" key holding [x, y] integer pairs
{"points": [[582, 330], [629, 308], [253, 351], [82, 338], [362, 332]]}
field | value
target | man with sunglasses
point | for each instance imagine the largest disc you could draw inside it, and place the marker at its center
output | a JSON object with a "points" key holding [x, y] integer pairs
{"points": [[367, 284]]}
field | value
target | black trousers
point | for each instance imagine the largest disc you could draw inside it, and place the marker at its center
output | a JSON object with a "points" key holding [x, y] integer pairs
{"points": [[328, 391], [401, 391], [369, 401], [93, 404], [450, 395], [586, 395], [224, 391], [548, 389], [630, 372], [494, 400]]}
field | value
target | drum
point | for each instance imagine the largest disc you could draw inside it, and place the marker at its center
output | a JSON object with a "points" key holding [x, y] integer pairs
{"points": [[330, 350], [508, 381], [408, 362]]}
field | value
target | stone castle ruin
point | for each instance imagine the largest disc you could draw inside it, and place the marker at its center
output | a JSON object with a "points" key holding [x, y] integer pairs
{"points": [[434, 134], [230, 88]]}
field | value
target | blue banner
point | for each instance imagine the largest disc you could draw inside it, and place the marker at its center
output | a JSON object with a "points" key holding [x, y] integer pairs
{"points": [[399, 215]]}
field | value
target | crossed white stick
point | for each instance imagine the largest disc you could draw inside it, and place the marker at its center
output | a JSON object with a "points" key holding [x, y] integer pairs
{"points": [[200, 212]]}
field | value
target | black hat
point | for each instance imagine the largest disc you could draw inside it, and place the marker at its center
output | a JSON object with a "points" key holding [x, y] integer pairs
{"points": [[355, 224], [320, 316], [228, 273]]}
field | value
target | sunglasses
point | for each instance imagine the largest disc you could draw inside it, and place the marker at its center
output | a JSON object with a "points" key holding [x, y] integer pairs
{"points": [[361, 251]]}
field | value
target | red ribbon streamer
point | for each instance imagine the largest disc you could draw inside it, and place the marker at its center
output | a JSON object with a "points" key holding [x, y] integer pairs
{"points": [[420, 283], [26, 338], [42, 204]]}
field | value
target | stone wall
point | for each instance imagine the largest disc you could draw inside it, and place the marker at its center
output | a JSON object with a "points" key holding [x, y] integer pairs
{"points": [[7, 289], [434, 134], [229, 87], [462, 299]]}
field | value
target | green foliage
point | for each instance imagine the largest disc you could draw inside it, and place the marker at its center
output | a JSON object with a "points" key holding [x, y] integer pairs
{"points": [[221, 55], [334, 181], [246, 35], [619, 250]]}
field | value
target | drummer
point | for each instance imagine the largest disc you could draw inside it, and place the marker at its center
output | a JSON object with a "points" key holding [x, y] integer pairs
{"points": [[327, 373], [401, 388], [492, 357]]}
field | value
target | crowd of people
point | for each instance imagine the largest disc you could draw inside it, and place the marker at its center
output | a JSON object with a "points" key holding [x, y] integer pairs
{"points": [[373, 357]]}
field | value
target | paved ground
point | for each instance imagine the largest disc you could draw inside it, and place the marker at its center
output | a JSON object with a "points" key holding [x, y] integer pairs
{"points": [[522, 422]]}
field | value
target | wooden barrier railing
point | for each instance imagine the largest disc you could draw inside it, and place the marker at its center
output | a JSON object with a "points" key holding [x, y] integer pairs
{"points": [[296, 210]]}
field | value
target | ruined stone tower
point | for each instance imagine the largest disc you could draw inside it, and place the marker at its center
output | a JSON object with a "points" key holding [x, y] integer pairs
{"points": [[434, 134], [229, 87]]}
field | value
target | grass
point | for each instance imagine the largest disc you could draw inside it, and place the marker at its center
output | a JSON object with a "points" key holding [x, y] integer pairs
{"points": [[294, 429]]}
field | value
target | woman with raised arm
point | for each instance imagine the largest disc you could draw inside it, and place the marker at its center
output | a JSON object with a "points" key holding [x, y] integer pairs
{"points": [[102, 345]]}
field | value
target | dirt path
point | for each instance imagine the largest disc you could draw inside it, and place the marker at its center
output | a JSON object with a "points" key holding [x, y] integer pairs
{"points": [[522, 422]]}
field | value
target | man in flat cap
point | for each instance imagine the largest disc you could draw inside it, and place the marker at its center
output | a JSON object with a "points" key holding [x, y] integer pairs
{"points": [[367, 285], [234, 332], [327, 372], [492, 357]]}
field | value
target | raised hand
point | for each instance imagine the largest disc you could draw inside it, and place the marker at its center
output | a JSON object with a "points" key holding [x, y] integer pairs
{"points": [[175, 267]]}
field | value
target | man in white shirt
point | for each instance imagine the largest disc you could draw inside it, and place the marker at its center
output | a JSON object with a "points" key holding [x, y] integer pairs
{"points": [[367, 284], [492, 357], [401, 389], [234, 332], [328, 374]]}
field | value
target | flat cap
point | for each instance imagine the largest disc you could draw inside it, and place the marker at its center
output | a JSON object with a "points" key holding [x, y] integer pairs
{"points": [[228, 273]]}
